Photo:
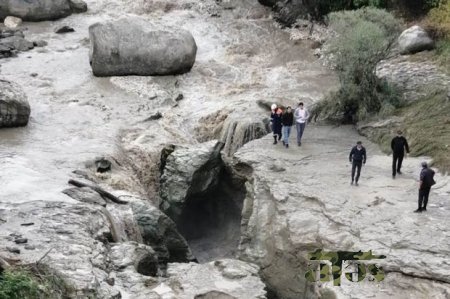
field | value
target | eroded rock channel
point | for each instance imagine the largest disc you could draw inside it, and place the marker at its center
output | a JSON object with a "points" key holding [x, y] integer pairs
{"points": [[200, 193]]}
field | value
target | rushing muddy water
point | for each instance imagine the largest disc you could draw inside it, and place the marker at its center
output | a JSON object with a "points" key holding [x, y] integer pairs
{"points": [[243, 56]]}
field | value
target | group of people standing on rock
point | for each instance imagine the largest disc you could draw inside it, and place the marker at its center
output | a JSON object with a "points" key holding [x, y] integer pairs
{"points": [[400, 147], [282, 122]]}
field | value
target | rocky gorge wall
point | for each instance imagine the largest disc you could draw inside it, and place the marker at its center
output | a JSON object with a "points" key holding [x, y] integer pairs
{"points": [[193, 175]]}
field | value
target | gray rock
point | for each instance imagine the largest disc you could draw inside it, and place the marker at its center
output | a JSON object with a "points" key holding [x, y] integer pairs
{"points": [[12, 22], [414, 39], [138, 256], [148, 49], [18, 43], [64, 29], [21, 240], [78, 6], [214, 295], [85, 194], [14, 107], [189, 171], [414, 78], [160, 232], [290, 214], [37, 10], [40, 43], [13, 249], [206, 281]]}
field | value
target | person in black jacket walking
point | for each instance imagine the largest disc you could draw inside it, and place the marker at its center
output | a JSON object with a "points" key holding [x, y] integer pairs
{"points": [[275, 122], [398, 145], [357, 157], [426, 181], [287, 121]]}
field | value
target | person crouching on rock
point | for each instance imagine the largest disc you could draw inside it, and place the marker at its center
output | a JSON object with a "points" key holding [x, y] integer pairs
{"points": [[287, 121], [275, 120], [357, 158]]}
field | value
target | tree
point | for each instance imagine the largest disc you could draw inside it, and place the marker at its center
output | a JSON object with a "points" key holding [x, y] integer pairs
{"points": [[363, 38]]}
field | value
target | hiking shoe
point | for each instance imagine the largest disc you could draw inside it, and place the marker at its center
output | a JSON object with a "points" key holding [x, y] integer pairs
{"points": [[299, 143], [356, 184], [284, 143], [399, 172], [275, 142], [424, 209], [351, 183], [418, 211], [393, 176], [287, 145]]}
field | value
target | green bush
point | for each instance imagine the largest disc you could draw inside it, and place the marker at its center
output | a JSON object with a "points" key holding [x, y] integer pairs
{"points": [[32, 282], [320, 8], [19, 285], [364, 38]]}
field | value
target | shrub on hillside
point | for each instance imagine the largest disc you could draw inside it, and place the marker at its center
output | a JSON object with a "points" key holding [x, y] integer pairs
{"points": [[438, 19], [364, 38]]}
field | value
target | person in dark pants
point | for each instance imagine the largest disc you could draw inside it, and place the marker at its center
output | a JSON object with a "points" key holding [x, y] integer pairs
{"points": [[301, 118], [288, 122], [275, 120], [398, 145], [357, 157], [426, 181]]}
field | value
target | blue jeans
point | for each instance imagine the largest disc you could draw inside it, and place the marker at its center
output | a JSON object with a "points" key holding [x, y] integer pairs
{"points": [[300, 129], [286, 133]]}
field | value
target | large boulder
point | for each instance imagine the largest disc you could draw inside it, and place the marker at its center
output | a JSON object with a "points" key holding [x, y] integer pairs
{"points": [[414, 39], [189, 171], [14, 107], [133, 46], [36, 10], [12, 22]]}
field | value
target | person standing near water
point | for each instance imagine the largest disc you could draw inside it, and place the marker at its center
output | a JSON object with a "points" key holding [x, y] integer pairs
{"points": [[275, 121], [288, 122], [301, 117]]}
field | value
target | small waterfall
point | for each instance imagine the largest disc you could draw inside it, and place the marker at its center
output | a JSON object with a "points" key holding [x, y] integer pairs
{"points": [[238, 132], [123, 224]]}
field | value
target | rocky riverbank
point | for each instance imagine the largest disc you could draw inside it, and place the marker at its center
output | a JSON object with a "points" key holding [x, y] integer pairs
{"points": [[190, 177]]}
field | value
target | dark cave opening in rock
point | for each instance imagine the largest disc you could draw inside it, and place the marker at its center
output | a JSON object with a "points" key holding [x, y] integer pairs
{"points": [[211, 221]]}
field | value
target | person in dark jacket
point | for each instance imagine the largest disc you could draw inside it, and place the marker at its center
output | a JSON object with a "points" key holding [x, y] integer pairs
{"points": [[426, 181], [287, 121], [275, 120], [357, 157], [398, 145]]}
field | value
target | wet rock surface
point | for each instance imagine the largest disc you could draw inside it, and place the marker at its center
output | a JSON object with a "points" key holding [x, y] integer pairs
{"points": [[72, 241], [39, 10], [311, 204], [12, 41], [150, 49], [14, 106]]}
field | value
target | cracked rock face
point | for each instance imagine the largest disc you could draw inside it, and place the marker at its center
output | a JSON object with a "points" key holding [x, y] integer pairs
{"points": [[300, 199], [71, 241], [189, 171]]}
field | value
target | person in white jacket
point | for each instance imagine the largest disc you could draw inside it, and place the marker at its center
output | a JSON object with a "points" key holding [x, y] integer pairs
{"points": [[301, 117]]}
